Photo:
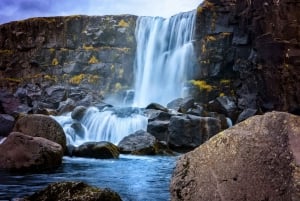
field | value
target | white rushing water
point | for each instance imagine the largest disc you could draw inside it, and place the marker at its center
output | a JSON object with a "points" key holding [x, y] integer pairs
{"points": [[164, 57]]}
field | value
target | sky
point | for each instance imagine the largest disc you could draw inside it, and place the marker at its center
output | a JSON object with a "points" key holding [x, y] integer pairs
{"points": [[11, 10]]}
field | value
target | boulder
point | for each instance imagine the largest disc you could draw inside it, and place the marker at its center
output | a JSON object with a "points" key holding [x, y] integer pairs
{"points": [[175, 104], [38, 125], [55, 94], [224, 105], [78, 113], [188, 132], [157, 115], [246, 114], [8, 102], [100, 150], [138, 143], [65, 191], [159, 129], [156, 106], [20, 152], [6, 124], [186, 104], [257, 159]]}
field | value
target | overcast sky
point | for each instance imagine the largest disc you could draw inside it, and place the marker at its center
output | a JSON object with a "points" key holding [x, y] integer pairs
{"points": [[11, 10]]}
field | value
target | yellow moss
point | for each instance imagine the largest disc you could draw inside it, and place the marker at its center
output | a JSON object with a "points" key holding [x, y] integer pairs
{"points": [[202, 85], [88, 47], [222, 94], [199, 10], [6, 51], [63, 49], [203, 48], [52, 50], [205, 62], [54, 62], [225, 82], [10, 79], [224, 34], [121, 72], [112, 68], [92, 79], [211, 38], [52, 78], [208, 4], [123, 23], [77, 79], [93, 60], [118, 86]]}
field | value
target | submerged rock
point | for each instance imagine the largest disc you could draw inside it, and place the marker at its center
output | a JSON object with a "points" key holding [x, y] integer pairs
{"points": [[100, 150], [38, 125], [258, 159], [78, 112], [20, 152], [77, 191]]}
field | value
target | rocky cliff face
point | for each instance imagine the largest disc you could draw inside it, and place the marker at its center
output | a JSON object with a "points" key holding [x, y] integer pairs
{"points": [[250, 50], [92, 54]]}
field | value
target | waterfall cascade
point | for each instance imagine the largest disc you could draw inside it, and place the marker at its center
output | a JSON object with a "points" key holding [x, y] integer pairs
{"points": [[163, 59]]}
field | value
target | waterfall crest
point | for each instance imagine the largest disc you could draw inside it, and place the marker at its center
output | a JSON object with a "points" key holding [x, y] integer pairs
{"points": [[164, 57]]}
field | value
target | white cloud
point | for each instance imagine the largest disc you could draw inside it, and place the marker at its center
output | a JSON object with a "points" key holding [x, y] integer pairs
{"points": [[21, 9]]}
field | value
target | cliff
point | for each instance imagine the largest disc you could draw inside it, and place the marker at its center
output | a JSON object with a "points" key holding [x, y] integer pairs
{"points": [[94, 54], [250, 51]]}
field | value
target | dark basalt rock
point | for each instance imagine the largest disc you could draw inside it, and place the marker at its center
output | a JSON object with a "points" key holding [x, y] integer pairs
{"points": [[78, 112], [189, 131], [6, 124], [139, 143], [77, 191], [156, 106], [257, 159], [100, 150]]}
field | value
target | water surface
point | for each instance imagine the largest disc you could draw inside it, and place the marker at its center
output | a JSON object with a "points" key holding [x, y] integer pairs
{"points": [[135, 178]]}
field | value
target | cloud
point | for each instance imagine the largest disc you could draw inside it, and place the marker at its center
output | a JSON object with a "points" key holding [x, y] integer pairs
{"points": [[21, 9]]}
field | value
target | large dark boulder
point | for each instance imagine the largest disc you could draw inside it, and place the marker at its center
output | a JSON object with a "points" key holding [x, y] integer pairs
{"points": [[20, 152], [100, 150], [189, 131], [6, 124], [38, 125], [78, 113], [159, 129], [76, 191], [139, 143], [258, 159]]}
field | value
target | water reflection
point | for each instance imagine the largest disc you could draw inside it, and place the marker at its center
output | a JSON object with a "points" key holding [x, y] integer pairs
{"points": [[135, 178]]}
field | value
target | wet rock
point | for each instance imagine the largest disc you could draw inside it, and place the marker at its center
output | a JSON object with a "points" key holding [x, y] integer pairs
{"points": [[66, 106], [8, 102], [159, 129], [55, 94], [257, 159], [38, 125], [186, 104], [20, 152], [78, 113], [100, 150], [157, 106], [246, 114], [157, 115], [224, 105], [6, 124], [68, 190], [138, 143], [188, 132], [175, 104], [197, 110]]}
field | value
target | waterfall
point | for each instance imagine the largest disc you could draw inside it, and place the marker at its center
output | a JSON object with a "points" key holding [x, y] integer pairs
{"points": [[164, 57]]}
